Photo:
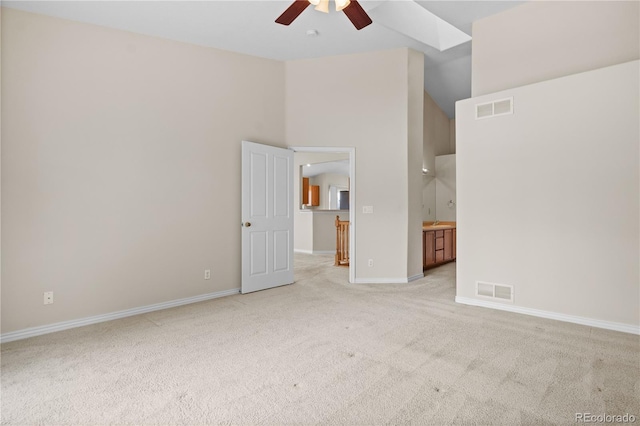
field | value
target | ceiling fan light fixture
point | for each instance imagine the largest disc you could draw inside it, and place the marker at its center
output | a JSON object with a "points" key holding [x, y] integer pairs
{"points": [[356, 14], [323, 6], [341, 4]]}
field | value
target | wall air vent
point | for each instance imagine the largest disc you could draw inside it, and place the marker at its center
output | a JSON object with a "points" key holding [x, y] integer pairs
{"points": [[495, 108], [501, 292]]}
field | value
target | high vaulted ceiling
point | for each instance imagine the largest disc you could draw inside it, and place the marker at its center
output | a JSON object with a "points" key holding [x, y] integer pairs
{"points": [[249, 27]]}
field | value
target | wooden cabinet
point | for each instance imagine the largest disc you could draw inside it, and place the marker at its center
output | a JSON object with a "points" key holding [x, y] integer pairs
{"points": [[314, 195], [448, 244], [305, 191], [440, 257], [439, 240], [429, 252], [439, 246], [310, 193]]}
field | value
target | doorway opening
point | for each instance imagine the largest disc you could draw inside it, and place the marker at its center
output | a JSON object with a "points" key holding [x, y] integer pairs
{"points": [[331, 170]]}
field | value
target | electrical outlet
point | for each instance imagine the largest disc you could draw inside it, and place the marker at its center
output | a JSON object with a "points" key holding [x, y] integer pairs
{"points": [[370, 263], [48, 297], [367, 209], [207, 274]]}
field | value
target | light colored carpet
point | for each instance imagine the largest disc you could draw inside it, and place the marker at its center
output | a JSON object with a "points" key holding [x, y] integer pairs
{"points": [[322, 351]]}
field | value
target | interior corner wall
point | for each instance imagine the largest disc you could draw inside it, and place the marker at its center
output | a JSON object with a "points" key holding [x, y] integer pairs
{"points": [[366, 108], [541, 40], [121, 166], [415, 146], [549, 197]]}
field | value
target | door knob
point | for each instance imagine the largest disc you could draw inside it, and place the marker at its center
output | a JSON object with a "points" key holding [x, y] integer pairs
{"points": [[247, 224]]}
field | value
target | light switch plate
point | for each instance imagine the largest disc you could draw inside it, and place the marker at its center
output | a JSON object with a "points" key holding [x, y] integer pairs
{"points": [[367, 209]]}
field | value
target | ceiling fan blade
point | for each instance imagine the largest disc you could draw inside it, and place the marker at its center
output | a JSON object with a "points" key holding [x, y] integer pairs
{"points": [[292, 12], [357, 15]]}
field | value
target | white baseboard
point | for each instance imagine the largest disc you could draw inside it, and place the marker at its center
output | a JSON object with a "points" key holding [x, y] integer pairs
{"points": [[416, 277], [608, 325], [65, 325], [387, 280], [314, 251]]}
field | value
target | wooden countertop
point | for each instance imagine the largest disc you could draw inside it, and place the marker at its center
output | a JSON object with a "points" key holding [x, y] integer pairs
{"points": [[429, 226]]}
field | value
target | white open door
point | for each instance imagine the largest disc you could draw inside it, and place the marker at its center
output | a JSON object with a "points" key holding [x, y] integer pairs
{"points": [[267, 217]]}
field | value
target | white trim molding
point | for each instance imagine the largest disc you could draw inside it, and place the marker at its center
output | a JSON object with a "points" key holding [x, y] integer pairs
{"points": [[65, 325], [388, 280], [314, 251], [416, 277], [302, 251], [608, 325]]}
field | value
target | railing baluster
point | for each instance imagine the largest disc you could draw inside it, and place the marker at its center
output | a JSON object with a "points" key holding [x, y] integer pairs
{"points": [[342, 242]]}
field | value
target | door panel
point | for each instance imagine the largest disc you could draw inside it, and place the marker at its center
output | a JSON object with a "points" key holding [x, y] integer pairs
{"points": [[281, 186], [281, 250], [267, 216], [258, 191], [258, 253]]}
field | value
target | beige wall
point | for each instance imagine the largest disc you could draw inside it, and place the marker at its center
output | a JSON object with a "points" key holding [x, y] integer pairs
{"points": [[415, 147], [121, 166], [541, 40], [436, 133], [324, 230], [316, 231], [367, 107], [549, 197], [303, 232]]}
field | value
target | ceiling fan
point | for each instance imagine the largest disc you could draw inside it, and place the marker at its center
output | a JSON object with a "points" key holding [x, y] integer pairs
{"points": [[351, 8]]}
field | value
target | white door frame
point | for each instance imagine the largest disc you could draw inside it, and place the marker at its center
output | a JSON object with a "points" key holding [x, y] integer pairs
{"points": [[352, 198]]}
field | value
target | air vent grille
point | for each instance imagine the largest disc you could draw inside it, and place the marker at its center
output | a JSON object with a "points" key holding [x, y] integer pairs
{"points": [[495, 108], [494, 291], [484, 110], [485, 289]]}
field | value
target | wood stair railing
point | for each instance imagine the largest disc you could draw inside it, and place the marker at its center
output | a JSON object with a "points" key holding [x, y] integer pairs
{"points": [[342, 242]]}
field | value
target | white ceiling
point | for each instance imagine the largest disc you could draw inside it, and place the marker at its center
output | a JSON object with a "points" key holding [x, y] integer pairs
{"points": [[249, 27]]}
